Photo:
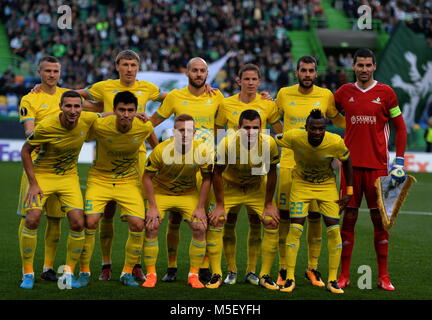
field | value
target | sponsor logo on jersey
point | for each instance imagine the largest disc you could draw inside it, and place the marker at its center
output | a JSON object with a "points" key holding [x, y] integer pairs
{"points": [[363, 120], [377, 101]]}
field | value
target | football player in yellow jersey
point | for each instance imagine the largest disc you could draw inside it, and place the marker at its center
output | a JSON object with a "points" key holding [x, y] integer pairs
{"points": [[294, 104], [127, 65], [115, 177], [202, 106], [171, 184], [54, 171], [314, 179], [228, 117], [239, 179], [33, 108]]}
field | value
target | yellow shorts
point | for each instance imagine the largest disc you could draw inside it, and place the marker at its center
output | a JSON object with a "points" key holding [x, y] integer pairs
{"points": [[303, 193], [66, 189], [184, 204], [284, 191], [52, 205], [251, 197], [127, 195]]}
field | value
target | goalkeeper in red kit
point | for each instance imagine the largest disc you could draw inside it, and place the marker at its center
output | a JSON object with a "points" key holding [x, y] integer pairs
{"points": [[369, 106]]}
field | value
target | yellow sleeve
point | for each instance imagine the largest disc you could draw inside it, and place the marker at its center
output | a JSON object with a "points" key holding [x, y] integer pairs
{"points": [[26, 111], [154, 90], [153, 163], [221, 119], [341, 153], [148, 128], [279, 106], [284, 139], [167, 107], [333, 114], [96, 91], [274, 152], [39, 136], [274, 115]]}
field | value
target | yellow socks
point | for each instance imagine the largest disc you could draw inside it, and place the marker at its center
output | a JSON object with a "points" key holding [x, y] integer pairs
{"points": [[150, 250], [314, 242], [254, 247], [89, 243], [52, 238], [229, 246], [75, 245], [28, 239], [335, 249], [292, 246], [197, 251], [269, 249], [283, 232], [133, 249], [106, 236], [214, 248], [172, 238]]}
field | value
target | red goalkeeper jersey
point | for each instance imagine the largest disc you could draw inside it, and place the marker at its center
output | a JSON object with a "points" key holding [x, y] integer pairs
{"points": [[367, 113]]}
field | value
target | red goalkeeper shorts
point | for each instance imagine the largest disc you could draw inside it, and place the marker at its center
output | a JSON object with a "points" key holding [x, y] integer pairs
{"points": [[363, 182]]}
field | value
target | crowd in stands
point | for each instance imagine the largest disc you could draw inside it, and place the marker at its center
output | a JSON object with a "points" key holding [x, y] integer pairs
{"points": [[167, 33], [416, 14]]}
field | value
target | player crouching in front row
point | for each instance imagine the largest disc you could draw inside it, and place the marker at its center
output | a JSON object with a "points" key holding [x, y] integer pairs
{"points": [[314, 179]]}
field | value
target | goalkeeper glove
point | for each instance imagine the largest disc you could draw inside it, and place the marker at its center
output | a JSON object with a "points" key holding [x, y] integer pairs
{"points": [[397, 171]]}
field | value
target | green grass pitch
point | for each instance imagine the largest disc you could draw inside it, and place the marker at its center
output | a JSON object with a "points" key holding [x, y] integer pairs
{"points": [[409, 262]]}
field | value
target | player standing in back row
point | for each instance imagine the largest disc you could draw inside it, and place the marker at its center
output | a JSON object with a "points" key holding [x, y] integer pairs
{"points": [[368, 106]]}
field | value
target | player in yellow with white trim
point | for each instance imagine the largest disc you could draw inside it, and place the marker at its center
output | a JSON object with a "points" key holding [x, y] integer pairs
{"points": [[294, 104], [54, 171], [115, 177], [314, 179], [171, 184], [202, 106], [239, 179], [228, 117], [127, 65]]}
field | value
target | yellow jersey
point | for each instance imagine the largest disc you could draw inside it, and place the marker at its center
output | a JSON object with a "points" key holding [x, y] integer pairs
{"points": [[296, 107], [243, 166], [117, 152], [176, 172], [313, 164], [230, 109], [202, 108], [106, 90], [37, 106], [60, 147]]}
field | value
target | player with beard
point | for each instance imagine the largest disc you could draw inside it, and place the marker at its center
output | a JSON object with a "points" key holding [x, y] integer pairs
{"points": [[369, 106], [202, 106], [295, 103]]}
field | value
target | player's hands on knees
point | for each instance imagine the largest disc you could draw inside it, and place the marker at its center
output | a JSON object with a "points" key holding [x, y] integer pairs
{"points": [[34, 195], [142, 116], [209, 90], [217, 216], [271, 217], [153, 219], [199, 219], [344, 201]]}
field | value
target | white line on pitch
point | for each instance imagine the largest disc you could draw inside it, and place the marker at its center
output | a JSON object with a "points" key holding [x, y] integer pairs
{"points": [[420, 213]]}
